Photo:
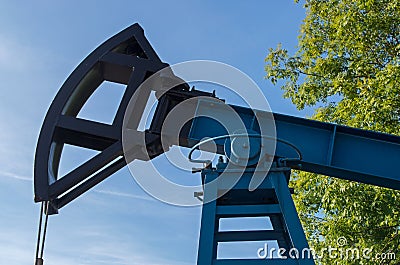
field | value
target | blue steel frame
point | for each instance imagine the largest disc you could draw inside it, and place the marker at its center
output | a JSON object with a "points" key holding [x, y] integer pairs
{"points": [[128, 58], [251, 204], [328, 149]]}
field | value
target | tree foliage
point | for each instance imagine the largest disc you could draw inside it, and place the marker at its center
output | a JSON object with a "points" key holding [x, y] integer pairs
{"points": [[347, 65]]}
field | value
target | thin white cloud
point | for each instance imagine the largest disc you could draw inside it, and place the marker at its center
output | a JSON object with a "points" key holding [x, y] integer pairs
{"points": [[14, 55], [17, 247], [124, 194], [15, 176], [122, 253]]}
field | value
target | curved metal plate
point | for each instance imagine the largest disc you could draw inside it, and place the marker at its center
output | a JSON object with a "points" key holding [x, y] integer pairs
{"points": [[126, 58]]}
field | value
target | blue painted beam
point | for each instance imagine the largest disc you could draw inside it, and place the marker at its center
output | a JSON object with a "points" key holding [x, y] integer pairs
{"points": [[343, 152], [247, 210], [328, 149]]}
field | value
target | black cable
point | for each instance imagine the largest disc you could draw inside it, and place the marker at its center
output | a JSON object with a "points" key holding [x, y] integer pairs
{"points": [[39, 230], [44, 209], [45, 228]]}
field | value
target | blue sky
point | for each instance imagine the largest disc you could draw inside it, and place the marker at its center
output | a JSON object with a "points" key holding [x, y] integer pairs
{"points": [[41, 42]]}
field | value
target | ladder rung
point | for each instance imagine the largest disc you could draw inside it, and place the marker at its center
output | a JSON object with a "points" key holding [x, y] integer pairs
{"points": [[255, 235], [247, 210]]}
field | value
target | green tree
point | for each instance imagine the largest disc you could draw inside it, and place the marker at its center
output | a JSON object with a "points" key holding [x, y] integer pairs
{"points": [[347, 66]]}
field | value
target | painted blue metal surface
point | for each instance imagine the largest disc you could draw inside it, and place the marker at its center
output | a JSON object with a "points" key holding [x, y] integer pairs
{"points": [[271, 199], [207, 246], [329, 149], [128, 58]]}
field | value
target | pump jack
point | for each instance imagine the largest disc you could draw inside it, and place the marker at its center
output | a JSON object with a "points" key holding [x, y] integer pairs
{"points": [[128, 58]]}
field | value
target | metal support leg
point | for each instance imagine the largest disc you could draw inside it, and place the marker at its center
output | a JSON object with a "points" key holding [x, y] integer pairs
{"points": [[288, 210], [271, 199], [209, 224]]}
